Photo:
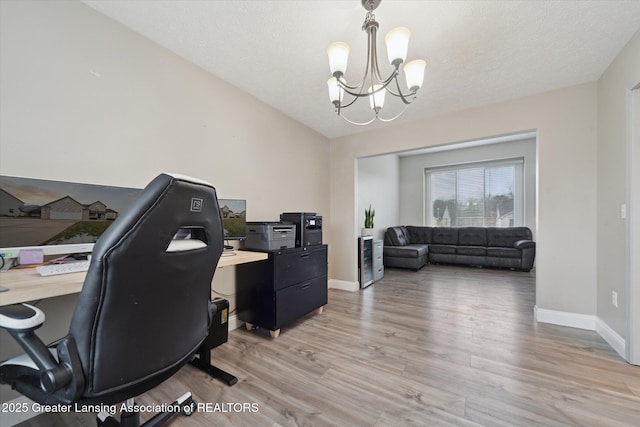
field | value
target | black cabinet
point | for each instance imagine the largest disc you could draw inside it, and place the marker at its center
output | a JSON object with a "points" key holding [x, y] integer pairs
{"points": [[289, 284]]}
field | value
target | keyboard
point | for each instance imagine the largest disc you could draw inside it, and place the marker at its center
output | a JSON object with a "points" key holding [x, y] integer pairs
{"points": [[68, 267]]}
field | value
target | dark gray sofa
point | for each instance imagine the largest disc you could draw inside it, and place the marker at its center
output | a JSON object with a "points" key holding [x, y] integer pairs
{"points": [[413, 246]]}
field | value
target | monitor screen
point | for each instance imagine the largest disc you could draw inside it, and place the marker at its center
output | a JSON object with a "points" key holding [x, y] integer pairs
{"points": [[234, 218], [65, 218], [62, 217]]}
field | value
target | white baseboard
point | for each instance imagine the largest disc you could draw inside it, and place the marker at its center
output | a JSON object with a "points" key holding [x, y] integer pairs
{"points": [[563, 318], [611, 337], [344, 285], [583, 321]]}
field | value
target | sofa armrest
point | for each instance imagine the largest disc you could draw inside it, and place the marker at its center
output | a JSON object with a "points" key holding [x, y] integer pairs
{"points": [[396, 236], [524, 244]]}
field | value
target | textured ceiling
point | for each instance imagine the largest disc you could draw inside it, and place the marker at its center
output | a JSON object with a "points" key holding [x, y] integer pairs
{"points": [[477, 52]]}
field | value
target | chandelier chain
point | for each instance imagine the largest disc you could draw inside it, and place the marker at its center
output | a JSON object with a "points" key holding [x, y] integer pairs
{"points": [[368, 19]]}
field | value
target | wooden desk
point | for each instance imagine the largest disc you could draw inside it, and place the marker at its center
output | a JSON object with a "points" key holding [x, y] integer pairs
{"points": [[26, 284]]}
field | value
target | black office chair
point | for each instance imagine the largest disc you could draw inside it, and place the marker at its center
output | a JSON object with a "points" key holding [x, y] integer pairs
{"points": [[143, 311]]}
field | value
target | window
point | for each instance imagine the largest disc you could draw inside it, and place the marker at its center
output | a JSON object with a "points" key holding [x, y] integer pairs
{"points": [[483, 195]]}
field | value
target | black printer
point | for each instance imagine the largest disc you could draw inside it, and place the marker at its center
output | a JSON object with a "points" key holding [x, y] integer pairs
{"points": [[308, 227]]}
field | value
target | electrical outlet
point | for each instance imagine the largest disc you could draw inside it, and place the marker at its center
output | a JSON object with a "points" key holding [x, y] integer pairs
{"points": [[623, 211], [614, 298]]}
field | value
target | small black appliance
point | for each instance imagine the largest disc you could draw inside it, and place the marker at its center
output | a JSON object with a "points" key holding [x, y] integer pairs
{"points": [[308, 227]]}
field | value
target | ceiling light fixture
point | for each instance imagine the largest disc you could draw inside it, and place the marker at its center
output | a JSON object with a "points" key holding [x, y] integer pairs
{"points": [[372, 84]]}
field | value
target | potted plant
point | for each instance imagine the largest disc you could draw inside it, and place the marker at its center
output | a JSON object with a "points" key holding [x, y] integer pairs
{"points": [[368, 221]]}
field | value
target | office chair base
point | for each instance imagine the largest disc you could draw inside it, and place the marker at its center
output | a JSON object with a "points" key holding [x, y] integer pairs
{"points": [[184, 404], [214, 372]]}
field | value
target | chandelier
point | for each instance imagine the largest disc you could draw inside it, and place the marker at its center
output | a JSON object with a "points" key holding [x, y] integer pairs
{"points": [[372, 85]]}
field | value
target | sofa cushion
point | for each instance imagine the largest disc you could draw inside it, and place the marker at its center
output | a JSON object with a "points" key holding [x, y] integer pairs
{"points": [[444, 235], [396, 236], [442, 249], [471, 250], [472, 236], [407, 251], [504, 252], [419, 235], [506, 237]]}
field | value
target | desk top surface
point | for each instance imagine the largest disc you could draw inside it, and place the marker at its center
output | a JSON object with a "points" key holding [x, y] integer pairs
{"points": [[26, 284]]}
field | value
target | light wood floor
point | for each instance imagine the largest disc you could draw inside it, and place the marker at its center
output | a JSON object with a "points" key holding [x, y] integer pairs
{"points": [[442, 346]]}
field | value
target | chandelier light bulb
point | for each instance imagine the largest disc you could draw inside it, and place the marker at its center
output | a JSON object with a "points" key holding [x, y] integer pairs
{"points": [[414, 73], [397, 41], [377, 99], [338, 56], [335, 93]]}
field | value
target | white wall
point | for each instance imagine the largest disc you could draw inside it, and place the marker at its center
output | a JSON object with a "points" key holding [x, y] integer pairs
{"points": [[84, 99], [412, 194], [378, 186], [148, 111], [613, 99], [565, 120]]}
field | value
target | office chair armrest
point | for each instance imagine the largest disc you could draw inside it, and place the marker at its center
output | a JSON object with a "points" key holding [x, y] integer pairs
{"points": [[21, 317], [21, 320]]}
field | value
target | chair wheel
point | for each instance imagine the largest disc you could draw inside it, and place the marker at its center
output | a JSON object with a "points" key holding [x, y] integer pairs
{"points": [[188, 409]]}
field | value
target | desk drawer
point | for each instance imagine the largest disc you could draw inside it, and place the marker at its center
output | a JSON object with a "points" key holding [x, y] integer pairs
{"points": [[291, 268], [300, 299]]}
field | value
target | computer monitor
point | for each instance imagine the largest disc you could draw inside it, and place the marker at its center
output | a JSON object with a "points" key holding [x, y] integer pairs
{"points": [[57, 217], [234, 218], [63, 218]]}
